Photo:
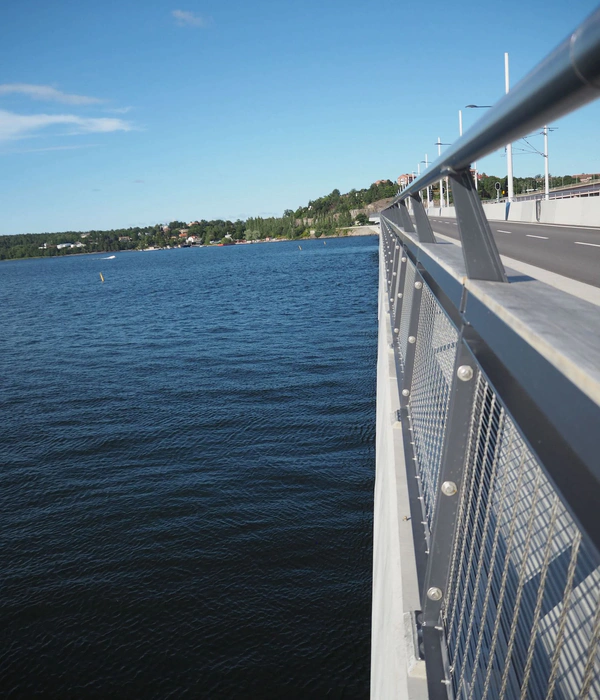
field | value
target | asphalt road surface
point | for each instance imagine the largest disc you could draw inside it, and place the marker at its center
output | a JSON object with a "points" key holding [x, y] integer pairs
{"points": [[569, 251]]}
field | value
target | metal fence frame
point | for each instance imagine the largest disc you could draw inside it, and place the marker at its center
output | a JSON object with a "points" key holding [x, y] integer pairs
{"points": [[483, 357]]}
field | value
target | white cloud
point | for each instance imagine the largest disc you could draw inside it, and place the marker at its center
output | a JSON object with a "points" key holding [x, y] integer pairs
{"points": [[47, 93], [53, 148], [14, 126], [188, 19]]}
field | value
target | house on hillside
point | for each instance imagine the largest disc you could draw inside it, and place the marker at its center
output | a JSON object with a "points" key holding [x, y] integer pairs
{"points": [[406, 179]]}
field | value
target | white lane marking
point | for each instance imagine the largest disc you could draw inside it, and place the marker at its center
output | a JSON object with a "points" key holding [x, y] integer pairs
{"points": [[454, 223], [530, 235], [596, 245], [501, 231]]}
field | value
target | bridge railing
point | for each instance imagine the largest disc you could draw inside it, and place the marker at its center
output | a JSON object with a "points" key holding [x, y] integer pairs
{"points": [[499, 384]]}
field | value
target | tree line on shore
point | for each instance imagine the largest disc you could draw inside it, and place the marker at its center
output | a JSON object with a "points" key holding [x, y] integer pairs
{"points": [[486, 186], [332, 214], [328, 215]]}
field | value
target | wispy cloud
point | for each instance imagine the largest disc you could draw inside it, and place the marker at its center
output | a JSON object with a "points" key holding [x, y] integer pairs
{"points": [[188, 19], [52, 148], [14, 126], [47, 94]]}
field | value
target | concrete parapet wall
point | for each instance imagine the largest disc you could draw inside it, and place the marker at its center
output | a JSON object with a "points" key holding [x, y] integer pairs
{"points": [[396, 672], [495, 211], [522, 211], [576, 211]]}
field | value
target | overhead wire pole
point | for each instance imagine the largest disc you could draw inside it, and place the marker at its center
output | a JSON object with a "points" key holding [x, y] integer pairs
{"points": [[546, 166], [509, 164], [439, 145]]}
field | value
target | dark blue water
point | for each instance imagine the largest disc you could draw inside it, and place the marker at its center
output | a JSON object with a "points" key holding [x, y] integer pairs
{"points": [[186, 472]]}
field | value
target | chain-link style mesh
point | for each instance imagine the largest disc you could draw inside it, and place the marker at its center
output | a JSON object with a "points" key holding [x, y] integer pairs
{"points": [[407, 298], [435, 351], [522, 617]]}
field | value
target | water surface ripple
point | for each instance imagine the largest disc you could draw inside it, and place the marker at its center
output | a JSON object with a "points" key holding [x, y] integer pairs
{"points": [[186, 472]]}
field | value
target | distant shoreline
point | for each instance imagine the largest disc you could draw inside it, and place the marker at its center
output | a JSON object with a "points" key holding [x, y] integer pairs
{"points": [[359, 231]]}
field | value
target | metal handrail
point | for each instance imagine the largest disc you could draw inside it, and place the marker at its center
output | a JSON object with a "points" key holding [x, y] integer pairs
{"points": [[564, 81]]}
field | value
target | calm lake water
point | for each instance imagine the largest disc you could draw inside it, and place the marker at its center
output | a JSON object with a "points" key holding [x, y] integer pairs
{"points": [[186, 472]]}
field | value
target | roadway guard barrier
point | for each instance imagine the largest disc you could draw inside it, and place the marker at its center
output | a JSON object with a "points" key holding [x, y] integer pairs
{"points": [[499, 393]]}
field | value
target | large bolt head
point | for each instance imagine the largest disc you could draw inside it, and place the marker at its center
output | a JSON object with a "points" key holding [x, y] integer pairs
{"points": [[434, 593], [412, 339], [403, 258], [405, 392], [449, 488], [464, 373], [418, 285]]}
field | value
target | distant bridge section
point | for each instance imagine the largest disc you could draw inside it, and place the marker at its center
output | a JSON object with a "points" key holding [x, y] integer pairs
{"points": [[486, 578]]}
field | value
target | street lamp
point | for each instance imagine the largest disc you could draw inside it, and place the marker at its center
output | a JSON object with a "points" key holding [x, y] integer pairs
{"points": [[439, 144], [508, 146], [475, 163], [428, 188], [509, 164]]}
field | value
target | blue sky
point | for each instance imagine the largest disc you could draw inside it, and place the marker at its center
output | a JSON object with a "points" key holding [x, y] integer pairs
{"points": [[136, 112]]}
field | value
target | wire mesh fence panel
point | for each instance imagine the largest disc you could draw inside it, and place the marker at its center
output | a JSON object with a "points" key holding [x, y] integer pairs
{"points": [[435, 352], [522, 615]]}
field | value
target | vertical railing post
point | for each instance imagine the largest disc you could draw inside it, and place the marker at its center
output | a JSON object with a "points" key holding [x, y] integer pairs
{"points": [[448, 499], [399, 291], [405, 219], [422, 223], [480, 252], [387, 256], [396, 248], [413, 329]]}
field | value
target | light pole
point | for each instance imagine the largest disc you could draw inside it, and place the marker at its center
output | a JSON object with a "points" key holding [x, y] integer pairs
{"points": [[475, 164], [544, 132], [509, 164], [439, 144], [428, 188]]}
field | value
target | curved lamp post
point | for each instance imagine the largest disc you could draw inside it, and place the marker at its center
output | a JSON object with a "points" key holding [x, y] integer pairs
{"points": [[474, 164], [439, 144]]}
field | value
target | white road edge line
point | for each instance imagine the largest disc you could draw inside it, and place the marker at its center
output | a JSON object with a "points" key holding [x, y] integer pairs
{"points": [[530, 235], [501, 231], [596, 245]]}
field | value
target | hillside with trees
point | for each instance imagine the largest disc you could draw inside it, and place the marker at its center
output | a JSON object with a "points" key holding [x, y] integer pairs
{"points": [[329, 215], [323, 216]]}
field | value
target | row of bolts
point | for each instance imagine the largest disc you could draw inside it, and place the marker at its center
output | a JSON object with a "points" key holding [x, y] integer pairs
{"points": [[449, 488]]}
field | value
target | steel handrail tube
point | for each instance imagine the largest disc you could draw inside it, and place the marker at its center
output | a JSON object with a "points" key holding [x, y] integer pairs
{"points": [[567, 79]]}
